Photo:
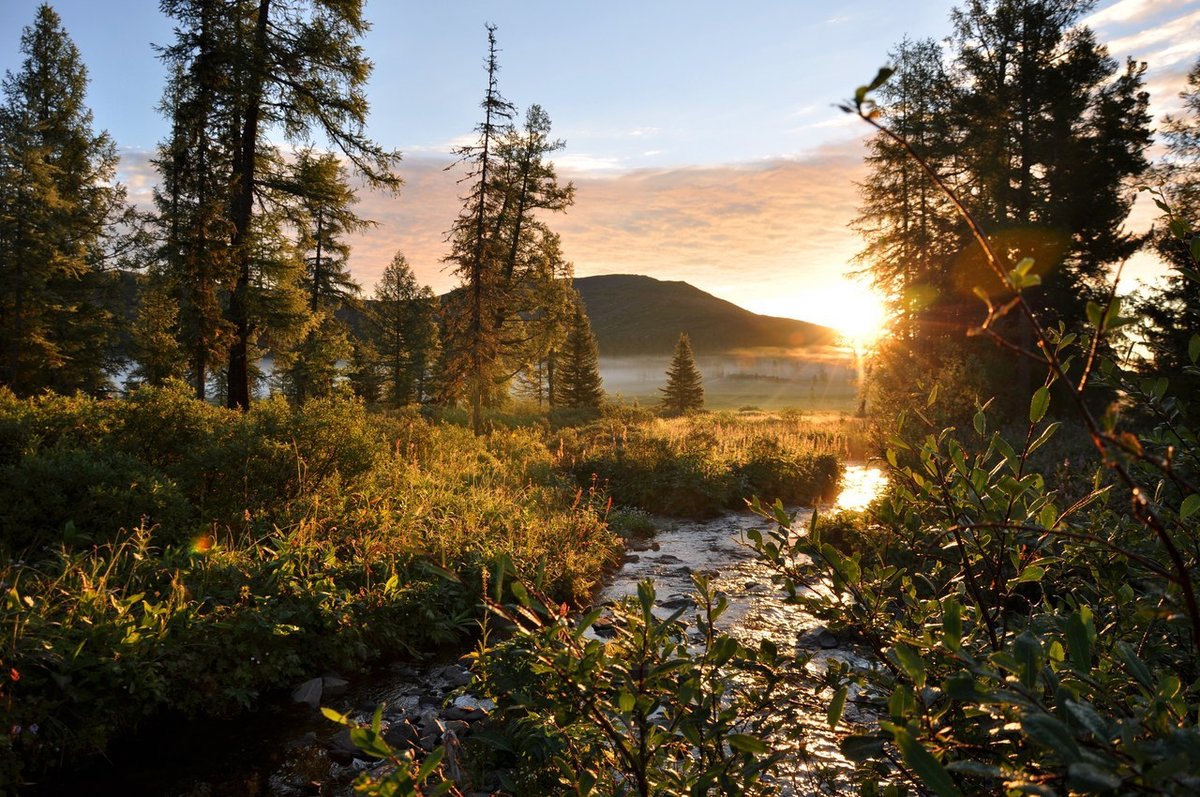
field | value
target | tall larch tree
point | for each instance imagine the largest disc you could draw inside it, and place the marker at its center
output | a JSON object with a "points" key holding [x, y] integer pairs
{"points": [[684, 392], [193, 196], [472, 343], [514, 282], [293, 68], [60, 217], [1040, 132], [323, 216]]}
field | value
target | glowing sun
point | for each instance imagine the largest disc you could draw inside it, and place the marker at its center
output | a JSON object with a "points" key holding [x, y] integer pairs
{"points": [[854, 310]]}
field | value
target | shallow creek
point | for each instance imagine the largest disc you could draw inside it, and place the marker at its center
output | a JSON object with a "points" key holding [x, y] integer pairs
{"points": [[719, 549], [289, 749]]}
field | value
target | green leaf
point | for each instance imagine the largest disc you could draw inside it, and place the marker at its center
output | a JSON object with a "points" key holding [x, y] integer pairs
{"points": [[747, 744], [1195, 247], [430, 763], [924, 765], [1087, 718], [1027, 650], [1189, 506], [836, 706], [1045, 436], [1091, 779], [881, 77], [1038, 404], [860, 747], [952, 623], [1079, 644], [1194, 344], [911, 662], [1052, 733], [336, 716], [980, 423], [1030, 573], [1134, 665]]}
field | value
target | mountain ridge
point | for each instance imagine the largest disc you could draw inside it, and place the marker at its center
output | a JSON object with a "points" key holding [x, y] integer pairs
{"points": [[636, 314]]}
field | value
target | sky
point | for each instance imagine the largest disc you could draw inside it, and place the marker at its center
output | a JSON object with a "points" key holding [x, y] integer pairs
{"points": [[701, 136]]}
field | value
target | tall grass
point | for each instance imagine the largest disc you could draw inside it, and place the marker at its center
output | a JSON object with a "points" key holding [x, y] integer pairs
{"points": [[699, 466], [161, 552]]}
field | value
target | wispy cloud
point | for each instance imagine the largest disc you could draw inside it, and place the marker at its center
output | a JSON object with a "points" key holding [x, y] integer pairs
{"points": [[1132, 12]]}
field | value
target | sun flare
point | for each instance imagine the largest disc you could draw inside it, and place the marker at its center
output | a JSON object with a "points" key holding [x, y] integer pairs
{"points": [[854, 310]]}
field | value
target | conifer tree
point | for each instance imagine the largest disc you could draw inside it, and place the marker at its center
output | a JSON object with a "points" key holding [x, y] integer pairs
{"points": [[60, 212], [684, 392], [323, 215], [403, 319], [1172, 308], [287, 67], [194, 193], [157, 353], [1039, 131], [512, 276], [577, 379]]}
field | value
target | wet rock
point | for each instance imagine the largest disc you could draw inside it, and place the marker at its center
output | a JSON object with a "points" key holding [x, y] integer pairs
{"points": [[631, 558], [667, 559], [473, 703], [341, 749], [457, 727], [677, 602], [334, 686], [309, 692], [402, 735], [818, 638], [604, 627], [455, 676]]}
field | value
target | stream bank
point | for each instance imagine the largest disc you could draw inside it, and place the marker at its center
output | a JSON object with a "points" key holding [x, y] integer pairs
{"points": [[288, 749]]}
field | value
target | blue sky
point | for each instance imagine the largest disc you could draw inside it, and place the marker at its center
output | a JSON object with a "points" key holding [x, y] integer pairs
{"points": [[701, 135]]}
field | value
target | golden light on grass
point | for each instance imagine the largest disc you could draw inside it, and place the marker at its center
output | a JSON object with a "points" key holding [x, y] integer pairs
{"points": [[202, 544]]}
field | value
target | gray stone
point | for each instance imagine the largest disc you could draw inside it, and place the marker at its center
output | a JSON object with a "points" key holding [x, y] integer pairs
{"points": [[402, 735], [333, 686], [455, 675], [309, 692]]}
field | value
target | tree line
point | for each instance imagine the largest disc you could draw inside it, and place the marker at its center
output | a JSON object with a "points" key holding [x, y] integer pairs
{"points": [[246, 251], [1043, 136]]}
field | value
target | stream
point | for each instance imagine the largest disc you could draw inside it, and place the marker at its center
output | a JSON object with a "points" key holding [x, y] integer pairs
{"points": [[287, 749]]}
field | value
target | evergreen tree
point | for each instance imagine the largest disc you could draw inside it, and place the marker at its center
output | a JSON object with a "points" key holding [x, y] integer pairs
{"points": [[60, 215], [684, 392], [403, 319], [157, 353], [194, 192], [911, 230], [323, 216], [577, 382], [289, 67], [514, 283], [1039, 131], [1172, 309]]}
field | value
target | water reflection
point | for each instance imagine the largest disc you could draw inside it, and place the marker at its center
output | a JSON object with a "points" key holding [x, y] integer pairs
{"points": [[860, 486]]}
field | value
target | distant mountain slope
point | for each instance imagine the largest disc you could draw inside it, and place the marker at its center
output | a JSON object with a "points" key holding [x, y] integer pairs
{"points": [[632, 314]]}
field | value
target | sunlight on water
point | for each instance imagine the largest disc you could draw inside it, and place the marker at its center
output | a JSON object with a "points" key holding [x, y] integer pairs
{"points": [[860, 485]]}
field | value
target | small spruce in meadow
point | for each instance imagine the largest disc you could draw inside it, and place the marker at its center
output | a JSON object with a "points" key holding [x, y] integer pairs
{"points": [[684, 392]]}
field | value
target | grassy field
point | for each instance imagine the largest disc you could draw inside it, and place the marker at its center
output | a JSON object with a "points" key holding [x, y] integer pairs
{"points": [[158, 552]]}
